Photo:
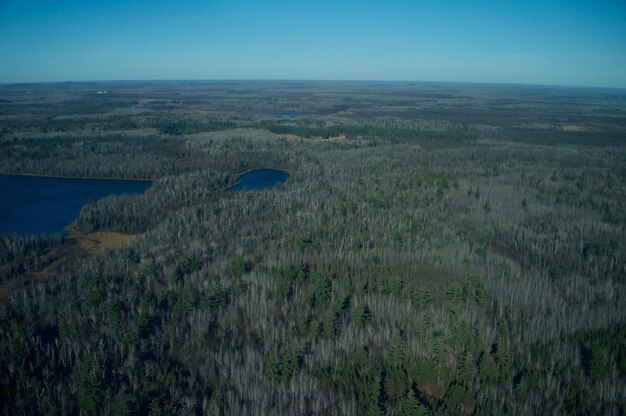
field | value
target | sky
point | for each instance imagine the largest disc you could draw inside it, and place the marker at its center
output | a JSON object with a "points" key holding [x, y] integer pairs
{"points": [[568, 42]]}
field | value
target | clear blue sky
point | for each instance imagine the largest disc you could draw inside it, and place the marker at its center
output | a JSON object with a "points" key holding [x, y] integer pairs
{"points": [[540, 42]]}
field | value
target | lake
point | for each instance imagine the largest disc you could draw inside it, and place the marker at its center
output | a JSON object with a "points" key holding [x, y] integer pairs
{"points": [[258, 179], [284, 115], [42, 205]]}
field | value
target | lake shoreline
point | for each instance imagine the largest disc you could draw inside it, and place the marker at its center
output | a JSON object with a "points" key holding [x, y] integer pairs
{"points": [[95, 178], [36, 204]]}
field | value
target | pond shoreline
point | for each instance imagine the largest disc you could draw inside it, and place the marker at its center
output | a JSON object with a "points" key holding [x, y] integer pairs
{"points": [[240, 174]]}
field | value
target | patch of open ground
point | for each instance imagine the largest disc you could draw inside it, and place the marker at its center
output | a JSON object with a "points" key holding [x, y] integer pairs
{"points": [[58, 259], [295, 137], [100, 240], [573, 127]]}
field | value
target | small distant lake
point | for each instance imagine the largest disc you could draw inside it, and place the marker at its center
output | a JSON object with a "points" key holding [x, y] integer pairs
{"points": [[42, 205], [257, 179], [285, 115]]}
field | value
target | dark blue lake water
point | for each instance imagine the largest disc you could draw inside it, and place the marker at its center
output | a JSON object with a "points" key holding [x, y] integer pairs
{"points": [[285, 115], [258, 179], [40, 205]]}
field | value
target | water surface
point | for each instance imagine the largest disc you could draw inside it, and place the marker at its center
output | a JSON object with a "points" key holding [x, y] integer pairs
{"points": [[41, 205], [258, 179], [284, 115]]}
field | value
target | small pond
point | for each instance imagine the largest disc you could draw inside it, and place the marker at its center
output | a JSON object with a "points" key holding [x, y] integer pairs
{"points": [[258, 179], [43, 205]]}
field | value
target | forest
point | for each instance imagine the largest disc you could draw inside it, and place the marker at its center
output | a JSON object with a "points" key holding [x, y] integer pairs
{"points": [[438, 249]]}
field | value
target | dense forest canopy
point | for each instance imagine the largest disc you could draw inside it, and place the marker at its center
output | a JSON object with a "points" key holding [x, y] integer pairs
{"points": [[444, 249]]}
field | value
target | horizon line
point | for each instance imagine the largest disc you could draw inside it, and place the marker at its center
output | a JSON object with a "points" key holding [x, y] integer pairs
{"points": [[311, 80]]}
